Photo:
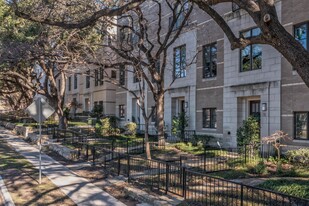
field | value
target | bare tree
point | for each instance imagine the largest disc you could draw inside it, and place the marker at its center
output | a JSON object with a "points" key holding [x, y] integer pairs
{"points": [[263, 13]]}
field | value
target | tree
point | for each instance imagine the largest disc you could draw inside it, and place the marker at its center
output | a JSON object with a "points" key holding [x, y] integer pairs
{"points": [[141, 50], [37, 56], [263, 13]]}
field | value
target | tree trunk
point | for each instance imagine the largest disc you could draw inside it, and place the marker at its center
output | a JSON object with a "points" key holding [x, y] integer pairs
{"points": [[160, 119], [148, 152], [63, 122]]}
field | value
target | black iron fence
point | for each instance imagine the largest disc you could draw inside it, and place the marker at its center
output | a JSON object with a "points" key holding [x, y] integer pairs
{"points": [[196, 188]]}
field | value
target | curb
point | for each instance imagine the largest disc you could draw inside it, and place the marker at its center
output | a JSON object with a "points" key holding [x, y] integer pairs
{"points": [[5, 193]]}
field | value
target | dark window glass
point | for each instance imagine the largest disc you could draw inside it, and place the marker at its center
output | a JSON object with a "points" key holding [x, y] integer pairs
{"points": [[251, 56], [96, 77], [75, 81], [59, 85], [181, 12], [121, 111], [180, 62], [88, 79], [301, 34], [209, 118], [301, 125], [136, 78], [69, 83], [154, 114], [113, 74], [210, 61], [122, 75], [101, 78]]}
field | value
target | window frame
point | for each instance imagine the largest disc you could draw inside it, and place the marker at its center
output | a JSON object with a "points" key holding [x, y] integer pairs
{"points": [[121, 111], [174, 61], [69, 83], [211, 119], [122, 75], [214, 44], [251, 50], [96, 77], [298, 25], [87, 83], [75, 81], [294, 125]]}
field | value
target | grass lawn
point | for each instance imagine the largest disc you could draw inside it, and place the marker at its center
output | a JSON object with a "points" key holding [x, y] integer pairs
{"points": [[21, 180], [295, 187]]}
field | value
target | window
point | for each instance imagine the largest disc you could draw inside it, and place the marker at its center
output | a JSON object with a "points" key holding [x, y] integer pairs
{"points": [[209, 118], [235, 7], [96, 77], [157, 67], [122, 75], [181, 12], [113, 74], [154, 114], [75, 81], [101, 105], [210, 61], [59, 85], [301, 34], [69, 83], [301, 125], [180, 62], [121, 111], [88, 79], [251, 56], [136, 78], [101, 78]]}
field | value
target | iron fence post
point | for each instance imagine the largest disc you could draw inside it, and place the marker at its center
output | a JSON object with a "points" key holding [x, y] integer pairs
{"points": [[184, 182], [93, 156], [241, 194], [129, 168], [127, 146], [167, 177], [112, 149], [87, 152], [118, 164]]}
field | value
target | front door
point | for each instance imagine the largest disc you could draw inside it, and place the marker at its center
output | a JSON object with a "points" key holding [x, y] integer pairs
{"points": [[255, 110]]}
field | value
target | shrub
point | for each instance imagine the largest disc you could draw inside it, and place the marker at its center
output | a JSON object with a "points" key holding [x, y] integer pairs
{"points": [[105, 126], [257, 167], [202, 139], [300, 156], [131, 128], [249, 133], [179, 124]]}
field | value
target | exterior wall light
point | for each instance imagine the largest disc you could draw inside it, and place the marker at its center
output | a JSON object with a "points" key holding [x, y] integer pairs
{"points": [[264, 107]]}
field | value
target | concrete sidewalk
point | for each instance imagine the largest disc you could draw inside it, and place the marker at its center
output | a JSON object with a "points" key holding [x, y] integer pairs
{"points": [[80, 190]]}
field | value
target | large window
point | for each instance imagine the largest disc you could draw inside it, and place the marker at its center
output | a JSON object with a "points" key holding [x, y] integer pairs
{"points": [[210, 60], [181, 11], [121, 111], [75, 81], [96, 77], [180, 62], [209, 118], [88, 79], [69, 83], [101, 76], [301, 34], [122, 75], [301, 125], [251, 56]]}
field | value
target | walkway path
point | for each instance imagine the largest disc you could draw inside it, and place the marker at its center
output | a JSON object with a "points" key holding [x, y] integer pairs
{"points": [[80, 190]]}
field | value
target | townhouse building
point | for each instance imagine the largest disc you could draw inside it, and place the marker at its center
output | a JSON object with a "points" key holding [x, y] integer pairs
{"points": [[218, 87]]}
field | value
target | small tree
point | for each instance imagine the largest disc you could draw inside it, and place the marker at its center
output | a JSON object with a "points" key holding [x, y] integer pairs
{"points": [[179, 125], [275, 139], [249, 134]]}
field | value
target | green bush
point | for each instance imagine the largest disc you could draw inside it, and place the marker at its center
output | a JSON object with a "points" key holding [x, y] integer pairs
{"points": [[249, 133], [179, 124], [131, 128], [257, 167], [300, 156], [202, 139]]}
